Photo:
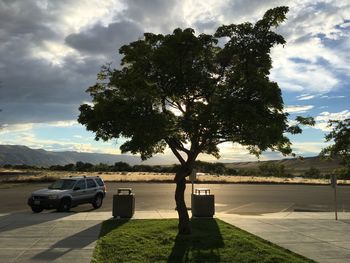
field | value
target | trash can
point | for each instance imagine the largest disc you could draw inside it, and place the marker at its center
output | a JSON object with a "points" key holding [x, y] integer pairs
{"points": [[203, 204], [124, 203]]}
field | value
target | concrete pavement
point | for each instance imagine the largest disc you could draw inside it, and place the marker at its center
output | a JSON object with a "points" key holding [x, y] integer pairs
{"points": [[67, 237], [314, 235]]}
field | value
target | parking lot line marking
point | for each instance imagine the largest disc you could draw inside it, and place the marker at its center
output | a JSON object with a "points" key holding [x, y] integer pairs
{"points": [[238, 207]]}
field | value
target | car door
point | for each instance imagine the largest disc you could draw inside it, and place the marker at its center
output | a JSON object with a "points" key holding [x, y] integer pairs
{"points": [[91, 189], [79, 192]]}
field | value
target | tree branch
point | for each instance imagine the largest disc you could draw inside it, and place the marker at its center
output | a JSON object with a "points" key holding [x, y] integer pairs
{"points": [[175, 152]]}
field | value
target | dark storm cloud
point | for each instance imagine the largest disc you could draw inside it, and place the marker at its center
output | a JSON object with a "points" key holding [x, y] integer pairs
{"points": [[105, 40], [140, 15], [24, 18], [35, 89], [37, 112], [147, 11], [204, 25], [158, 16]]}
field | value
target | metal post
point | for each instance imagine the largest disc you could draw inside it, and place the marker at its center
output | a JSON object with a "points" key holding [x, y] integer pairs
{"points": [[335, 203], [192, 187], [193, 176], [334, 185]]}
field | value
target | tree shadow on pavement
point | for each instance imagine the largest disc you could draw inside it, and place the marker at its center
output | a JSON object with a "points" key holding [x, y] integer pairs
{"points": [[201, 246], [23, 220], [80, 243]]}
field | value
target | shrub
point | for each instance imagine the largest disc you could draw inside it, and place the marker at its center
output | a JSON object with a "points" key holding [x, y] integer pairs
{"points": [[342, 173], [312, 172]]}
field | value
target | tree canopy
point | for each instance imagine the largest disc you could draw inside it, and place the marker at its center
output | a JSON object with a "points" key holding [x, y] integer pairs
{"points": [[181, 90], [340, 136]]}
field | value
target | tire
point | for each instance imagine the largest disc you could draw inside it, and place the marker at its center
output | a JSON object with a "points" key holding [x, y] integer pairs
{"points": [[98, 200], [64, 205], [37, 209]]}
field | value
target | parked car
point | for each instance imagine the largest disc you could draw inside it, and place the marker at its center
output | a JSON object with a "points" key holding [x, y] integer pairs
{"points": [[69, 192]]}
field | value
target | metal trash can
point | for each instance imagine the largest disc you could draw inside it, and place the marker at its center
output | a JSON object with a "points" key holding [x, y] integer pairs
{"points": [[124, 203], [203, 204]]}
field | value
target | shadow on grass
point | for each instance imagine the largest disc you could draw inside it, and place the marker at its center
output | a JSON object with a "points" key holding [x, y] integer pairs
{"points": [[201, 246]]}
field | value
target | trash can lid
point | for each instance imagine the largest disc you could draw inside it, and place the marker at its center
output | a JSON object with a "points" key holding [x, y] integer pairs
{"points": [[128, 190], [202, 190]]}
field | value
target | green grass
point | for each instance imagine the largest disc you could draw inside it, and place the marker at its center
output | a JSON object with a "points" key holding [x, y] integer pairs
{"points": [[211, 241]]}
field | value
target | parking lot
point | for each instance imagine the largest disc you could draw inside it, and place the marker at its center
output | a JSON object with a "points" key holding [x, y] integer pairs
{"points": [[229, 198]]}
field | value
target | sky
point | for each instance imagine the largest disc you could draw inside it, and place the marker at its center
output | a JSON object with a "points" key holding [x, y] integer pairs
{"points": [[51, 51]]}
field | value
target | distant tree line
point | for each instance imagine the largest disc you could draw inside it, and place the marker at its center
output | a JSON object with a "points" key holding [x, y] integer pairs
{"points": [[204, 167], [265, 169]]}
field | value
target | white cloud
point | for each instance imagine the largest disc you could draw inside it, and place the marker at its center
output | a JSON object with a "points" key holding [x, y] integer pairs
{"points": [[6, 128], [298, 108], [332, 97], [306, 77], [67, 123], [305, 97], [323, 118], [309, 148]]}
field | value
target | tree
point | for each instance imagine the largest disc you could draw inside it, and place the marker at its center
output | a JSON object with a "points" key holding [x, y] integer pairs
{"points": [[190, 93], [340, 135], [272, 169]]}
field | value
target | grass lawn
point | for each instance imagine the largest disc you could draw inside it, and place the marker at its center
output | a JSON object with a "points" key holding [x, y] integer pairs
{"points": [[157, 241]]}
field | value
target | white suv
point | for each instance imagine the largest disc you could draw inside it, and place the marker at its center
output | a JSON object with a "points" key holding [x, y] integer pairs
{"points": [[69, 192]]}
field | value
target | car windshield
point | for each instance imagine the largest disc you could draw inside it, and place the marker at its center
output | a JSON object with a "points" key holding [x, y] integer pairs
{"points": [[62, 184]]}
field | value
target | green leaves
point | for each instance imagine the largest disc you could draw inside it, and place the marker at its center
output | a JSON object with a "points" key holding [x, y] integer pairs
{"points": [[340, 135], [186, 91], [275, 16]]}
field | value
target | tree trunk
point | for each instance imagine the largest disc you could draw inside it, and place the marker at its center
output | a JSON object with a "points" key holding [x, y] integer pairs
{"points": [[184, 221]]}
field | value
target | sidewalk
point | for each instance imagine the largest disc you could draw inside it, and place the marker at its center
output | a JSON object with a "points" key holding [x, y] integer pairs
{"points": [[69, 237], [314, 235]]}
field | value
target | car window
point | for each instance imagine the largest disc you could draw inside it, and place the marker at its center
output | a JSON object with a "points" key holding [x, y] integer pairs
{"points": [[99, 181], [90, 183], [81, 184], [62, 184]]}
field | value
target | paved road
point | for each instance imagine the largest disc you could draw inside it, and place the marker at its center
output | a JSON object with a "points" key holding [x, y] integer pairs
{"points": [[229, 198]]}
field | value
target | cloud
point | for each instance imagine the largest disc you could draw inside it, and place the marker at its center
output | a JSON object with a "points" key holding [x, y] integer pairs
{"points": [[323, 118], [24, 127], [306, 77], [305, 97], [308, 148], [298, 108], [105, 40], [157, 16], [6, 128], [67, 123], [332, 97]]}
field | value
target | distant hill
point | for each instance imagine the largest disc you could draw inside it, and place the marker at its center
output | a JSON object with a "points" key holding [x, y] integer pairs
{"points": [[293, 165], [16, 154]]}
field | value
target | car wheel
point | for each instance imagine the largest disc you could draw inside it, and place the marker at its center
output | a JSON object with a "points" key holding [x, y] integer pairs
{"points": [[37, 209], [64, 205], [98, 200]]}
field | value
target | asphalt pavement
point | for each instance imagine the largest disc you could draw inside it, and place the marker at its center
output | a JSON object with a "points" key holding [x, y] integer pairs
{"points": [[243, 199]]}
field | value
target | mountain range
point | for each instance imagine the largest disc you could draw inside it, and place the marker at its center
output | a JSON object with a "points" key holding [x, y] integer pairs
{"points": [[18, 154]]}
